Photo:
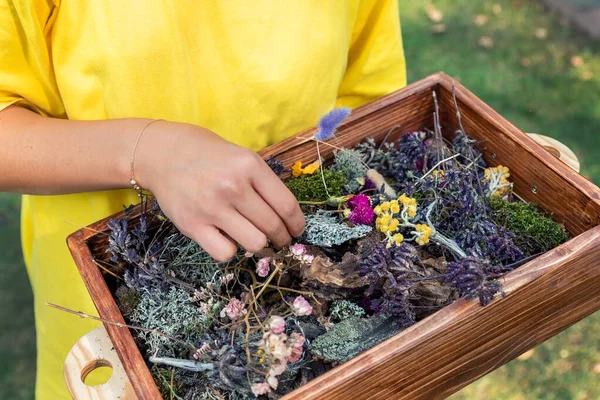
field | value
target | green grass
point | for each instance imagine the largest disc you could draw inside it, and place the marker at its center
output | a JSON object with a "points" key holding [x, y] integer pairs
{"points": [[530, 81], [17, 332]]}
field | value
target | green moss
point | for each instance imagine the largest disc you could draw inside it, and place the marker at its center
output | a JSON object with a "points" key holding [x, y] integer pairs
{"points": [[127, 298], [310, 187], [535, 231], [349, 162]]}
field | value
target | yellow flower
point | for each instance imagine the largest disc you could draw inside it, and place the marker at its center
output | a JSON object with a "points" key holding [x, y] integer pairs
{"points": [[311, 168], [438, 173], [497, 177], [297, 168], [377, 210], [398, 238], [394, 224], [394, 207], [423, 233], [385, 207], [384, 228], [411, 211], [385, 219]]}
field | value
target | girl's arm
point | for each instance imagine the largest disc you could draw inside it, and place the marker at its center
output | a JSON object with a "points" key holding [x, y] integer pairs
{"points": [[211, 189]]}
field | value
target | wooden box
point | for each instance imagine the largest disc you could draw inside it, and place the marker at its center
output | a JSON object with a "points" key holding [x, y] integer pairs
{"points": [[463, 341]]}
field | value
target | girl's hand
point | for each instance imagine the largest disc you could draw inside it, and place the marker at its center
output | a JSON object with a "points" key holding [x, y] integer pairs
{"points": [[215, 192]]}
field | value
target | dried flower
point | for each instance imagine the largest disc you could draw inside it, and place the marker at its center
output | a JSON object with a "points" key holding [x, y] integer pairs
{"points": [[497, 180], [276, 166], [277, 324], [308, 259], [248, 254], [330, 122], [301, 306], [298, 249], [422, 233], [297, 168], [263, 267], [473, 277], [234, 309], [361, 211], [260, 388], [297, 345]]}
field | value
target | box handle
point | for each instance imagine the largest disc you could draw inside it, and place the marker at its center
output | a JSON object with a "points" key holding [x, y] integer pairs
{"points": [[557, 149], [92, 351]]}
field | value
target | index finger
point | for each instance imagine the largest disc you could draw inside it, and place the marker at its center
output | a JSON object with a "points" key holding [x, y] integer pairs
{"points": [[278, 196]]}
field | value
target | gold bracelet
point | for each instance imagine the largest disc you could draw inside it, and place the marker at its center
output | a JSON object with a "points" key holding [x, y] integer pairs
{"points": [[133, 182]]}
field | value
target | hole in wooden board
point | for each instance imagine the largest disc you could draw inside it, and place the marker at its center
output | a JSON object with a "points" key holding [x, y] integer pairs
{"points": [[96, 372], [552, 150]]}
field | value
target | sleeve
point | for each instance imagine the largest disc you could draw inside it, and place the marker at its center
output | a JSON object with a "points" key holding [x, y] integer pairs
{"points": [[376, 64], [26, 71]]}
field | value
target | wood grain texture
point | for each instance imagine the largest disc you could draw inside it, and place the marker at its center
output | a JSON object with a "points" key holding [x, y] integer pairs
{"points": [[92, 350], [133, 362], [464, 341]]}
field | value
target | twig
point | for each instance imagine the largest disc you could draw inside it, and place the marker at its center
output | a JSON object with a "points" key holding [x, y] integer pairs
{"points": [[103, 268], [458, 116], [121, 325]]}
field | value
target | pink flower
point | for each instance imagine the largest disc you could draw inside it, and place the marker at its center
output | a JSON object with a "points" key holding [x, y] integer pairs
{"points": [[301, 306], [260, 388], [297, 342], [362, 213], [298, 249], [277, 324], [263, 267], [234, 309], [307, 259]]}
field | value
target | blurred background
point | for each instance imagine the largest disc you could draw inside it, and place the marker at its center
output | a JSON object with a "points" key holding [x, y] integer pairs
{"points": [[537, 64]]}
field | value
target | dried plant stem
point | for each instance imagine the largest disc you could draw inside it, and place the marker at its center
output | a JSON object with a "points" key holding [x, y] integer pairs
{"points": [[103, 268], [119, 324], [438, 164], [458, 116]]}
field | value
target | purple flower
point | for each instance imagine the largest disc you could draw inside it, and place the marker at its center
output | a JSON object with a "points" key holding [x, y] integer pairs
{"points": [[473, 277], [330, 121]]}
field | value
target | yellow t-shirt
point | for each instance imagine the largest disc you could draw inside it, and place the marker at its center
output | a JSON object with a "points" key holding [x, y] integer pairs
{"points": [[255, 72]]}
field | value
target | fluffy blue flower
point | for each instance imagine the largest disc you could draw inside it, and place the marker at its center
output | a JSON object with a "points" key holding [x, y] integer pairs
{"points": [[330, 121]]}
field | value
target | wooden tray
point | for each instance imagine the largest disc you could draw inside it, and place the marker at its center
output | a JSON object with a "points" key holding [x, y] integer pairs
{"points": [[463, 341]]}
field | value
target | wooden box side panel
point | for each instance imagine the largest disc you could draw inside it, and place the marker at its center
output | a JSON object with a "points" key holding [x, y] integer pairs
{"points": [[126, 348], [538, 176]]}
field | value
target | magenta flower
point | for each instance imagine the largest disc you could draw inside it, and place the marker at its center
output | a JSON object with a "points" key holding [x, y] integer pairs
{"points": [[277, 324], [359, 200], [361, 211], [263, 267], [301, 306]]}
